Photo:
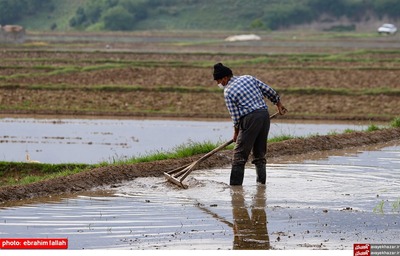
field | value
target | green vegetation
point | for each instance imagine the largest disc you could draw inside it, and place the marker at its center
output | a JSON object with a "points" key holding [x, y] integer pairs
{"points": [[192, 89], [396, 205], [24, 173], [372, 128], [13, 10], [96, 15], [181, 151], [281, 138], [380, 207], [395, 123], [35, 178], [194, 14]]}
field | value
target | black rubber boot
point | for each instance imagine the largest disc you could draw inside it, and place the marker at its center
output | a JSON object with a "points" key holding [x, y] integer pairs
{"points": [[261, 173], [237, 174]]}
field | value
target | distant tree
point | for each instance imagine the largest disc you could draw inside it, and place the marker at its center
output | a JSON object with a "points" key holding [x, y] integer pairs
{"points": [[53, 26], [334, 7], [115, 14], [387, 7], [9, 11], [93, 11], [109, 3], [79, 19], [284, 16], [257, 24], [136, 8], [118, 18], [263, 14], [32, 6], [12, 10]]}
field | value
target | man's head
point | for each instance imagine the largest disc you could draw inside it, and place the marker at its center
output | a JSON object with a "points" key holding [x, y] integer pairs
{"points": [[220, 71], [222, 74]]}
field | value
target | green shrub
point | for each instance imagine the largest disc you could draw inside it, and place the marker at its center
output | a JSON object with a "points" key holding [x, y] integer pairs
{"points": [[395, 123], [281, 138], [372, 128]]}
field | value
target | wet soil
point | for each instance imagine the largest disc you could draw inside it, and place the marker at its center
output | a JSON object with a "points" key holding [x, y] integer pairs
{"points": [[110, 175]]}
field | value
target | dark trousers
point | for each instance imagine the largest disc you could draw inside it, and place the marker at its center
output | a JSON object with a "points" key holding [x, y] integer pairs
{"points": [[253, 135]]}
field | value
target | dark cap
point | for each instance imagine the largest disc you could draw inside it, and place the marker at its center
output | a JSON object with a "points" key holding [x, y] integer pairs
{"points": [[220, 71]]}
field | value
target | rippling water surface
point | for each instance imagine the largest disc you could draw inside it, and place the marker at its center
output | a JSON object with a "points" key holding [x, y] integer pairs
{"points": [[325, 203]]}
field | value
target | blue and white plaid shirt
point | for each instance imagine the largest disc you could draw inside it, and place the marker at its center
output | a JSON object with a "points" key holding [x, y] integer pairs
{"points": [[245, 94]]}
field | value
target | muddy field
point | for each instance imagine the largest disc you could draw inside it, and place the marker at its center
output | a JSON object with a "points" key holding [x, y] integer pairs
{"points": [[153, 75], [337, 78]]}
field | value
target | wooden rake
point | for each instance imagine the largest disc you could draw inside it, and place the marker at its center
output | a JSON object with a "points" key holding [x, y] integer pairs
{"points": [[177, 175]]}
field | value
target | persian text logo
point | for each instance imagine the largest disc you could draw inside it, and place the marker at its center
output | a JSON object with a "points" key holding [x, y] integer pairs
{"points": [[362, 249]]}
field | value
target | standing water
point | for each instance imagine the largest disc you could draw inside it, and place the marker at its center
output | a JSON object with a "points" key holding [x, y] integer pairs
{"points": [[329, 202], [94, 140]]}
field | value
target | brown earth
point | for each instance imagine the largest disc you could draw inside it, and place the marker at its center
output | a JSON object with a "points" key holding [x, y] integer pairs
{"points": [[111, 175], [179, 84]]}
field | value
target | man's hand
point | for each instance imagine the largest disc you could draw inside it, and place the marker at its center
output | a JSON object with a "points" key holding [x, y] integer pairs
{"points": [[282, 110]]}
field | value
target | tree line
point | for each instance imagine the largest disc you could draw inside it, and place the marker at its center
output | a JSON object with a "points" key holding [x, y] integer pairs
{"points": [[269, 14], [124, 14]]}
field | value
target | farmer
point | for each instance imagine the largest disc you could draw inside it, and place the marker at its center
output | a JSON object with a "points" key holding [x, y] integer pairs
{"points": [[244, 98]]}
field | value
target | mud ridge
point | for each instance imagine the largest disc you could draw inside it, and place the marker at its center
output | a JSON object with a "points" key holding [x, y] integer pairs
{"points": [[111, 175]]}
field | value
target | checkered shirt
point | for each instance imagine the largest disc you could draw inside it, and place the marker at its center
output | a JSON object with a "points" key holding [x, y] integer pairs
{"points": [[244, 94]]}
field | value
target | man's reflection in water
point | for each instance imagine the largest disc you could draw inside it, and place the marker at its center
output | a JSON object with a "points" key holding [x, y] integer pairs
{"points": [[249, 232]]}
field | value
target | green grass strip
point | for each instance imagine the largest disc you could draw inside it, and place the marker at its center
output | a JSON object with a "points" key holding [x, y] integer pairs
{"points": [[26, 173], [203, 89]]}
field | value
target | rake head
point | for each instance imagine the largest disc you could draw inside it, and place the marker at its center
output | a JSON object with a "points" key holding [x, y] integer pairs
{"points": [[175, 180], [177, 175]]}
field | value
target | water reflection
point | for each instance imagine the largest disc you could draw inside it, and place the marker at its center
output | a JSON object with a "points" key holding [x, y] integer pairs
{"points": [[250, 231]]}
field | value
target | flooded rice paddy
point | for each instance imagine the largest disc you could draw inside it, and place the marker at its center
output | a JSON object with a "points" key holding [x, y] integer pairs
{"points": [[62, 140], [322, 202]]}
